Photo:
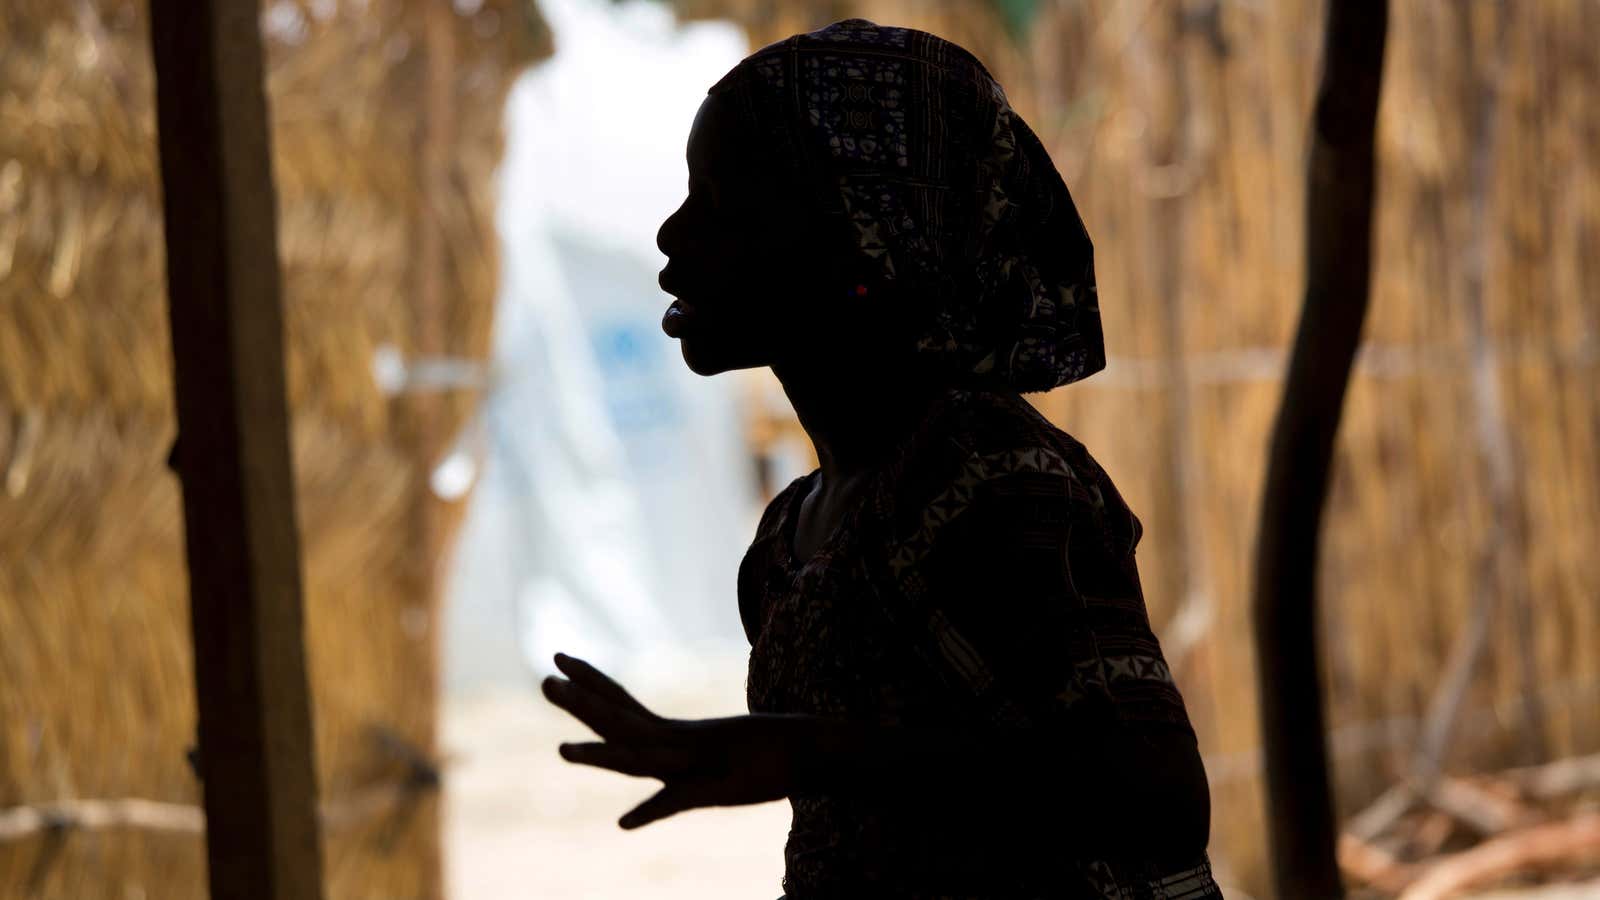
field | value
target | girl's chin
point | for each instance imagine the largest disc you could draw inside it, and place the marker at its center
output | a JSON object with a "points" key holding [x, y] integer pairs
{"points": [[705, 356]]}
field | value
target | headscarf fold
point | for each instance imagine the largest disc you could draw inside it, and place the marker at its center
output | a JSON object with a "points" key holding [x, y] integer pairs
{"points": [[945, 194]]}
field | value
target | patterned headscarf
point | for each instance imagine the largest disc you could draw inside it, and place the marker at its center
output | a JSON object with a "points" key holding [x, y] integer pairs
{"points": [[949, 196]]}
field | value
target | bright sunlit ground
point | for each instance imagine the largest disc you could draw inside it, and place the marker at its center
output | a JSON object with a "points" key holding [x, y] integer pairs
{"points": [[522, 823]]}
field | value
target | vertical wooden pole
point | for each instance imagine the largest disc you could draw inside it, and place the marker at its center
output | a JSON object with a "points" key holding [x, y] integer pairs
{"points": [[256, 752], [1170, 145], [1338, 256], [1502, 550], [424, 416]]}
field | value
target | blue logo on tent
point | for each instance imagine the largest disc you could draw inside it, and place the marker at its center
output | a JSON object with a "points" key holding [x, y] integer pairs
{"points": [[638, 389]]}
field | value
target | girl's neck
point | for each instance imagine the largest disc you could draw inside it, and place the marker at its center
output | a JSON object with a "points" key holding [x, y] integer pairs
{"points": [[856, 417]]}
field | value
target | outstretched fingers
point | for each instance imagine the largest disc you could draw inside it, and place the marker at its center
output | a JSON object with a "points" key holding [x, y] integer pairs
{"points": [[643, 762], [670, 800], [604, 715], [587, 675]]}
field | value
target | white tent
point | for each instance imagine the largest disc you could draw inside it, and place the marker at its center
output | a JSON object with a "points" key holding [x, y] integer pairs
{"points": [[615, 499]]}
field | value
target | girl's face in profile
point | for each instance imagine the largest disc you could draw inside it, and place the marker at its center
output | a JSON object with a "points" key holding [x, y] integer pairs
{"points": [[751, 276]]}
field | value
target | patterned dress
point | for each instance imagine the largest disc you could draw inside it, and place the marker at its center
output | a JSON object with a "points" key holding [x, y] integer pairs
{"points": [[986, 577]]}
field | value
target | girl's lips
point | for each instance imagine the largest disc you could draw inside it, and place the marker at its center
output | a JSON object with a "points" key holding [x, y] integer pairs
{"points": [[677, 318]]}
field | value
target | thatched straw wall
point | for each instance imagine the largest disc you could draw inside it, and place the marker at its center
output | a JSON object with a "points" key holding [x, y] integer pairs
{"points": [[1181, 129], [386, 236]]}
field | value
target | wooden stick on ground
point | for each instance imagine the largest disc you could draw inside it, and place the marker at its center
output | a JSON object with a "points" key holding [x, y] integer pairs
{"points": [[1482, 810], [1563, 776], [1552, 844], [1371, 864]]}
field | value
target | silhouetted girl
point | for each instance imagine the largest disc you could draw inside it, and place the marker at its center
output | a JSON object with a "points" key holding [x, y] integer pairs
{"points": [[952, 674]]}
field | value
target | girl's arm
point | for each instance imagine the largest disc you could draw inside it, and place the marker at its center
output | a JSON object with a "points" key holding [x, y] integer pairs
{"points": [[1020, 776]]}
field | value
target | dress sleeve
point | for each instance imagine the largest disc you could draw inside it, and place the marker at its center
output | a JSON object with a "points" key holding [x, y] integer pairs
{"points": [[1022, 585]]}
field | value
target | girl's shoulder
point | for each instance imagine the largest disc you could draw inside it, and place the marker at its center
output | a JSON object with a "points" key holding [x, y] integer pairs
{"points": [[762, 560], [999, 443], [772, 518]]}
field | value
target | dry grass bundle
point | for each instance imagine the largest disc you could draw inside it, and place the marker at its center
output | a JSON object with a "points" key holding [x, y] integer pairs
{"points": [[95, 681], [1469, 461]]}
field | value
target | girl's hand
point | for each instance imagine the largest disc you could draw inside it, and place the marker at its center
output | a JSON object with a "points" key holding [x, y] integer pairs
{"points": [[707, 762]]}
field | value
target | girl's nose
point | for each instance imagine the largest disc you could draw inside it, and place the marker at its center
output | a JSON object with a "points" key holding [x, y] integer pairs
{"points": [[667, 231]]}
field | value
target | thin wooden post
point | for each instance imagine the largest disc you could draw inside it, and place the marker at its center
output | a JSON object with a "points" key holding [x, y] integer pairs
{"points": [[1338, 257], [256, 752]]}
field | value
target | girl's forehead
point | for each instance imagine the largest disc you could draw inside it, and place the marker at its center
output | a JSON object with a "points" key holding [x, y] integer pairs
{"points": [[718, 145]]}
